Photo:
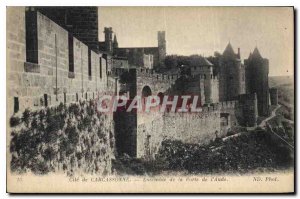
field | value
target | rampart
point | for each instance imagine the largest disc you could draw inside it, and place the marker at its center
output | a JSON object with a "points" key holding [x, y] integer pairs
{"points": [[201, 128], [63, 71], [51, 80]]}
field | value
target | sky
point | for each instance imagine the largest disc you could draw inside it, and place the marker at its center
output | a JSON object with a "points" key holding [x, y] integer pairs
{"points": [[204, 30]]}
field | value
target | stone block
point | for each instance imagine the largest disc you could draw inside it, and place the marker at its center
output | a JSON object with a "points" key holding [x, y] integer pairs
{"points": [[31, 67]]}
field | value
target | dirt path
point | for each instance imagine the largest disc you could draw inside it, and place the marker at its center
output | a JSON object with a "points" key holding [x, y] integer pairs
{"points": [[273, 114]]}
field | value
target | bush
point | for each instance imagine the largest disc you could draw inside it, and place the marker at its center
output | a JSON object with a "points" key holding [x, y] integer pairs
{"points": [[26, 116], [14, 121], [38, 146]]}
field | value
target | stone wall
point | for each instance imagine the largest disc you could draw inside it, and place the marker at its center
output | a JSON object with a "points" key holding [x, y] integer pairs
{"points": [[82, 22], [231, 79], [150, 134], [215, 90], [246, 110], [192, 128], [207, 88], [157, 82], [126, 133], [49, 80], [197, 128], [230, 107], [273, 96]]}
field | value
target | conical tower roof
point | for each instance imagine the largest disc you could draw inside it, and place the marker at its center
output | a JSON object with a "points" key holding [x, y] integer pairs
{"points": [[256, 54], [115, 42], [115, 38], [229, 51]]}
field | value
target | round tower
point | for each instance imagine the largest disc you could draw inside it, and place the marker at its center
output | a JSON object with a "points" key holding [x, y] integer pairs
{"points": [[231, 75], [257, 73]]}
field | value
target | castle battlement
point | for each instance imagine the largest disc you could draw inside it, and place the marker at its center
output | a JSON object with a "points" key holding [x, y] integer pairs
{"points": [[228, 104], [205, 77], [206, 111], [145, 72]]}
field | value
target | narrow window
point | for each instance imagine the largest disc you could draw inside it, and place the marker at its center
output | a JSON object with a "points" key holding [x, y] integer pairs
{"points": [[93, 95], [89, 63], [100, 68], [71, 53], [31, 36], [16, 104], [65, 98], [106, 63], [76, 97], [46, 100], [86, 96]]}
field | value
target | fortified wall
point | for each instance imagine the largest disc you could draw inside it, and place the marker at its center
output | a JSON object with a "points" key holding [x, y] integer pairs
{"points": [[140, 134], [206, 86], [47, 66], [246, 111], [159, 83], [197, 128], [51, 80], [273, 96]]}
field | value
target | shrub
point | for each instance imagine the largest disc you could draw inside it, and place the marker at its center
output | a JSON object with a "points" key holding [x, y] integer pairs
{"points": [[14, 121], [26, 116]]}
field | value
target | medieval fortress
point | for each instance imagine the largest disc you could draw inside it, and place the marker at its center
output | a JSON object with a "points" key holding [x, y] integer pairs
{"points": [[54, 56]]}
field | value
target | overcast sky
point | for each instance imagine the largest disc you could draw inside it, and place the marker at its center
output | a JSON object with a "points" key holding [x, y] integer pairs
{"points": [[204, 30]]}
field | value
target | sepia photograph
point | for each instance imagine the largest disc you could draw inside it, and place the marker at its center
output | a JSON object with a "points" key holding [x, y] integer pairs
{"points": [[152, 99]]}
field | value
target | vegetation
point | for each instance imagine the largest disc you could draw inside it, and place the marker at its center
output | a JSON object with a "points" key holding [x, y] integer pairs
{"points": [[245, 153], [60, 139]]}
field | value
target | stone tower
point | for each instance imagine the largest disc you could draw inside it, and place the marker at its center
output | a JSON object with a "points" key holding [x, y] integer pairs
{"points": [[231, 75], [257, 71], [108, 39], [161, 38]]}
